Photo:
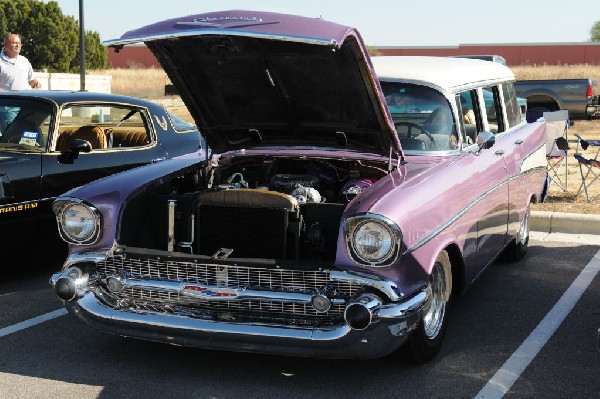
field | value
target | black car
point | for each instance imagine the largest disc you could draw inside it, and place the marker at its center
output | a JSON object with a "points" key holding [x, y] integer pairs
{"points": [[53, 141]]}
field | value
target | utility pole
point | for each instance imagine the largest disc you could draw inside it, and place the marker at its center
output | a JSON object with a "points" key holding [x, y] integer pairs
{"points": [[81, 48]]}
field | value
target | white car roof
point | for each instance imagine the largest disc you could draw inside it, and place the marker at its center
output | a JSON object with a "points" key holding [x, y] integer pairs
{"points": [[445, 72]]}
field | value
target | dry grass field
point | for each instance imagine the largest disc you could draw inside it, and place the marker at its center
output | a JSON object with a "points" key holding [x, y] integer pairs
{"points": [[570, 201], [150, 83], [557, 72]]}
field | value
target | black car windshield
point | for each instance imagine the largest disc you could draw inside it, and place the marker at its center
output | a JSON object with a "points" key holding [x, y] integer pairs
{"points": [[24, 124]]}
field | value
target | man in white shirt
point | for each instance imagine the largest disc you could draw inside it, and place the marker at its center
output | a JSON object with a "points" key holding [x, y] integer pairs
{"points": [[16, 73]]}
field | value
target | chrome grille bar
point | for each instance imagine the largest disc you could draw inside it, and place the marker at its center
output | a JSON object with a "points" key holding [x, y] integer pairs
{"points": [[170, 298], [219, 275], [158, 278]]}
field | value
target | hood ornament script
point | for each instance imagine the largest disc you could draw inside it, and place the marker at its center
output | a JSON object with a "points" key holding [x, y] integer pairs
{"points": [[208, 292]]}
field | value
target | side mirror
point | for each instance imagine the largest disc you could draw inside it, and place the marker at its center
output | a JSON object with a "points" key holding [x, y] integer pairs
{"points": [[79, 145], [75, 147], [485, 140]]}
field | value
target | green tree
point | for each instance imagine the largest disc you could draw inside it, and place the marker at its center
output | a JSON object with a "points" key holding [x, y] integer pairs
{"points": [[595, 32], [96, 55], [50, 39]]}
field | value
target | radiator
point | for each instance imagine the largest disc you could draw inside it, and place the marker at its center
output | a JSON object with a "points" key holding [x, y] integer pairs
{"points": [[251, 223]]}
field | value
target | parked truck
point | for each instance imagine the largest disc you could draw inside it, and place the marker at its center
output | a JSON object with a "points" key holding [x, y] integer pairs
{"points": [[579, 96]]}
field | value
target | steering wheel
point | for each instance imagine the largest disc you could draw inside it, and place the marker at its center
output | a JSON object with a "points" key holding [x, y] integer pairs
{"points": [[410, 126]]}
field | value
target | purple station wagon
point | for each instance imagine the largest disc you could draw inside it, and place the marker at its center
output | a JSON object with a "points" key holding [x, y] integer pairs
{"points": [[340, 204]]}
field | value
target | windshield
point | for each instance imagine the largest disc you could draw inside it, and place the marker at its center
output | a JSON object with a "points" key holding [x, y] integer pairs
{"points": [[422, 116], [24, 124]]}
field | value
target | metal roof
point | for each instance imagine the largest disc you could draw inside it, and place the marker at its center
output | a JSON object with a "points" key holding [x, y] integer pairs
{"points": [[445, 72]]}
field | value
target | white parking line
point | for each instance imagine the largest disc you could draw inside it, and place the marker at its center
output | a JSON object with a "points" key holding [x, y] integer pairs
{"points": [[32, 322], [510, 371]]}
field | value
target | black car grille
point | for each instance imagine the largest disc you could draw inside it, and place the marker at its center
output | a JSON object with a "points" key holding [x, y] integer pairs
{"points": [[267, 279]]}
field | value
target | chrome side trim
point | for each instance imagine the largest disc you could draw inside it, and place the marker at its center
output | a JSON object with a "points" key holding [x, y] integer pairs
{"points": [[454, 218], [536, 159]]}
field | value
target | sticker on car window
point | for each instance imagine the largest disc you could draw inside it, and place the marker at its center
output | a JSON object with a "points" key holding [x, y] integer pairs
{"points": [[29, 138]]}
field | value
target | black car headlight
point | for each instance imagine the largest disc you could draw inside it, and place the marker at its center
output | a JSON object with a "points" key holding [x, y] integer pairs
{"points": [[78, 223], [373, 239]]}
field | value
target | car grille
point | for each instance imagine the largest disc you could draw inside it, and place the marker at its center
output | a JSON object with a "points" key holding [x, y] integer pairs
{"points": [[257, 278]]}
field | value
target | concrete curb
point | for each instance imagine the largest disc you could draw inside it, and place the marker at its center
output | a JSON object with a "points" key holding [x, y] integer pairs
{"points": [[568, 223]]}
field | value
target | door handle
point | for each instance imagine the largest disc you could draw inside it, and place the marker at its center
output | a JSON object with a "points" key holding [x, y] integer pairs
{"points": [[499, 152]]}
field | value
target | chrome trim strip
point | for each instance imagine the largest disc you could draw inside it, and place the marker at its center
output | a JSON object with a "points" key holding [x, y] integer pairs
{"points": [[212, 31], [454, 218], [529, 162], [450, 221]]}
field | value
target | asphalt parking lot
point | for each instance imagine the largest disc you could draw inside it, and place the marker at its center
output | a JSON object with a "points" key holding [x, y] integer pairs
{"points": [[524, 330]]}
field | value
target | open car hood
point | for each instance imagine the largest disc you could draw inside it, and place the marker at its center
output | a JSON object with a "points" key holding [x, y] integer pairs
{"points": [[255, 79]]}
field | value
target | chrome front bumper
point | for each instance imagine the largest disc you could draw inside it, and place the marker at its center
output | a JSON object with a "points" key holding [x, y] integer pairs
{"points": [[390, 326]]}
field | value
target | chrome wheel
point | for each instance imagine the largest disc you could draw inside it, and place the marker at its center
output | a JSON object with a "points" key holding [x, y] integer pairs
{"points": [[524, 230], [433, 314], [426, 340], [517, 248]]}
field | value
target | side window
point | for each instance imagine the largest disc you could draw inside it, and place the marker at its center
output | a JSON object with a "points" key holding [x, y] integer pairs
{"points": [[513, 114], [493, 109], [103, 126], [471, 122], [24, 124]]}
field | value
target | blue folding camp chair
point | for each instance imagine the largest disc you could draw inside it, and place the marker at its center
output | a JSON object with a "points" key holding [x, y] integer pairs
{"points": [[589, 167]]}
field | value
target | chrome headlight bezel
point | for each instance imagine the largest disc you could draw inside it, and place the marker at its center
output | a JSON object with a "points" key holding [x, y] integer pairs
{"points": [[360, 226], [86, 230]]}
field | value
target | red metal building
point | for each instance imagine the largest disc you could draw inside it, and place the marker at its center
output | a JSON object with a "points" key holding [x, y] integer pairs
{"points": [[515, 53]]}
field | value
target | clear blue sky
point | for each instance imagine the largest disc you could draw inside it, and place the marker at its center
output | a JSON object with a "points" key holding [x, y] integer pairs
{"points": [[381, 22]]}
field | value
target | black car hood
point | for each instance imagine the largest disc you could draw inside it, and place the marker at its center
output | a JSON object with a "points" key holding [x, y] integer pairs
{"points": [[264, 79]]}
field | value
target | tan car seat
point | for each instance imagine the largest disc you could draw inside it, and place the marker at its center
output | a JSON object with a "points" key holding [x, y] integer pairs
{"points": [[93, 134]]}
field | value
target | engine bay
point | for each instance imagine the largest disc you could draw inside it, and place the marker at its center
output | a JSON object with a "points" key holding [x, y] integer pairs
{"points": [[251, 207]]}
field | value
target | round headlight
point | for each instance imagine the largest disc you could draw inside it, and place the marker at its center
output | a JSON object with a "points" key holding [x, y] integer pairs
{"points": [[374, 241], [79, 223]]}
